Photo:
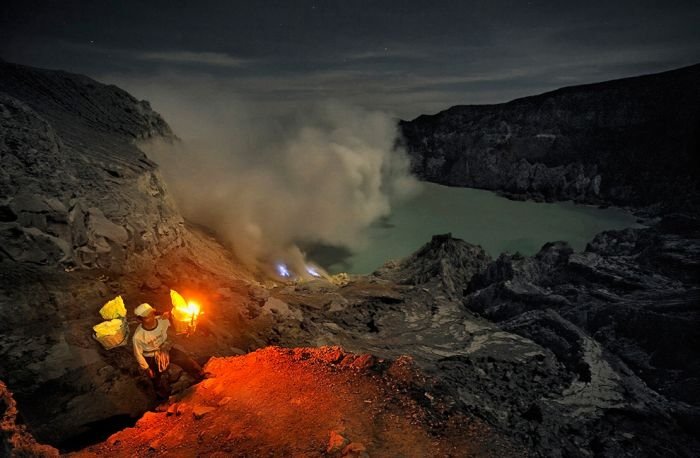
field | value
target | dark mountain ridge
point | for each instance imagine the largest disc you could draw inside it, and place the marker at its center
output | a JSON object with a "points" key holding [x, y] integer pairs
{"points": [[65, 99], [632, 141], [74, 185]]}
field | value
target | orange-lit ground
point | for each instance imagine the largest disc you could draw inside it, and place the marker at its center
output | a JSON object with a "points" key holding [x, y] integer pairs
{"points": [[291, 402]]}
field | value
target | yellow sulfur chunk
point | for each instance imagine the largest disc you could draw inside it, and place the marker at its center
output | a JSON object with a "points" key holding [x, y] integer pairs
{"points": [[113, 309], [108, 328]]}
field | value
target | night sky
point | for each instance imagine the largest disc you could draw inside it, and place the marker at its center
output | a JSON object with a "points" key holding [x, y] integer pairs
{"points": [[405, 57]]}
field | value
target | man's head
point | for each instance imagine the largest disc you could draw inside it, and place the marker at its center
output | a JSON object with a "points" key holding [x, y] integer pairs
{"points": [[146, 314]]}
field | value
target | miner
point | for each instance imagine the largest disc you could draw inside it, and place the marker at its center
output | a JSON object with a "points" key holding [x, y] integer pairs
{"points": [[154, 350]]}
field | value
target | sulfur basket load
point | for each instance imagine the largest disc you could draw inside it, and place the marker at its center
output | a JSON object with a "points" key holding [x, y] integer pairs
{"points": [[113, 309], [114, 332]]}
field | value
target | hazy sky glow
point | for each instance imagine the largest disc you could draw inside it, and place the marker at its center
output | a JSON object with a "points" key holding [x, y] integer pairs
{"points": [[404, 57]]}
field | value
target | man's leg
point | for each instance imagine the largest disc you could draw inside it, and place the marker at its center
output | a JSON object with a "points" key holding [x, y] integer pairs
{"points": [[187, 364], [161, 383]]}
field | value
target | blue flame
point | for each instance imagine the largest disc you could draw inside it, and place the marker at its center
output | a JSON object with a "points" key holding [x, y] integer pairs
{"points": [[283, 270], [312, 270]]}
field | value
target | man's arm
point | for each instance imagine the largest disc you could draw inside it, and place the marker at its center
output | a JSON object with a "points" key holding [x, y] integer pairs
{"points": [[138, 354]]}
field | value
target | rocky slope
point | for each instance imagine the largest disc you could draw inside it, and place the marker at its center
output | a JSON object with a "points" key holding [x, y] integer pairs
{"points": [[575, 354], [84, 216], [633, 141], [306, 402], [16, 439], [75, 189], [558, 354]]}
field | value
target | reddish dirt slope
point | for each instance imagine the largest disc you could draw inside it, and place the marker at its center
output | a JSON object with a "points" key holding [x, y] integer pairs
{"points": [[305, 402]]}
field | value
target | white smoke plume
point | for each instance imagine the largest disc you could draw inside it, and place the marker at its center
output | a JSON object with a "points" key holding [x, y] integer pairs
{"points": [[267, 177]]}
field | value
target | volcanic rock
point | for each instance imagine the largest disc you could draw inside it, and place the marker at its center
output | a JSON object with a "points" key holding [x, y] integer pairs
{"points": [[336, 442], [632, 141], [285, 402], [76, 189], [355, 449], [570, 352], [444, 260], [85, 216], [622, 324], [198, 412], [172, 409], [16, 439]]}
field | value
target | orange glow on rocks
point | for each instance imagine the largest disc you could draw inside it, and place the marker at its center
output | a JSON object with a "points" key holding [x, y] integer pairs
{"points": [[306, 402]]}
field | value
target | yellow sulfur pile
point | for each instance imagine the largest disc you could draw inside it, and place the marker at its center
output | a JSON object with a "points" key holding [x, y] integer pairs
{"points": [[108, 328], [113, 309], [340, 279], [114, 331]]}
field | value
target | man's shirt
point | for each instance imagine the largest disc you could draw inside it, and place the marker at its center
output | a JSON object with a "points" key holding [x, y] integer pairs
{"points": [[146, 342]]}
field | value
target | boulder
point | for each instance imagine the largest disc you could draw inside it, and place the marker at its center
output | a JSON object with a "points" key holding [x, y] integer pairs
{"points": [[336, 442]]}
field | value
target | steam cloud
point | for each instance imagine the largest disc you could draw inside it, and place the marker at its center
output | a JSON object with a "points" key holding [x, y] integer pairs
{"points": [[265, 177]]}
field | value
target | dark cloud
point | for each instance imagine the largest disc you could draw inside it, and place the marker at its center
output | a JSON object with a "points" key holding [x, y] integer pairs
{"points": [[407, 57]]}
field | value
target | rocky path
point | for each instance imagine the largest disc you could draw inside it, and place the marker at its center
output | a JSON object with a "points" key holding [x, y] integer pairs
{"points": [[306, 402]]}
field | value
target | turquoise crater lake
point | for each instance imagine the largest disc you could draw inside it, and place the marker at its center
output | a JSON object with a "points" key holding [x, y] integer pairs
{"points": [[476, 216]]}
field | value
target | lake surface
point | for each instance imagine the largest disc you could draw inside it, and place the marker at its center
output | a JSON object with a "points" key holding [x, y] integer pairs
{"points": [[479, 217]]}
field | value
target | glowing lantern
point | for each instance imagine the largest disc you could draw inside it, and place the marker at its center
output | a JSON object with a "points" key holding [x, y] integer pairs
{"points": [[185, 313]]}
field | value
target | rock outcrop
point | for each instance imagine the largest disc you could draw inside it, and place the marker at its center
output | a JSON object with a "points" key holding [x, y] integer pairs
{"points": [[572, 353], [622, 317], [633, 141], [16, 440], [75, 190], [85, 216], [443, 263]]}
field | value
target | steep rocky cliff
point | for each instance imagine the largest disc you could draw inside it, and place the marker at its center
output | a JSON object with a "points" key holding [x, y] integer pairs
{"points": [[75, 189], [634, 141]]}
